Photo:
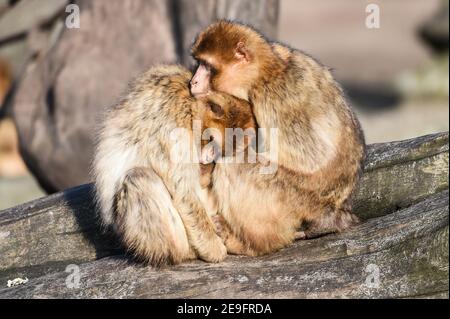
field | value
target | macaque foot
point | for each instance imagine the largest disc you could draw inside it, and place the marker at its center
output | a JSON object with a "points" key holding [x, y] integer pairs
{"points": [[300, 235], [214, 251], [234, 245], [329, 223]]}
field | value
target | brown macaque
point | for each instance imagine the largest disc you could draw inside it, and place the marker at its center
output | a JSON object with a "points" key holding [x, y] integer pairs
{"points": [[160, 206], [320, 145], [148, 197], [219, 113], [222, 112]]}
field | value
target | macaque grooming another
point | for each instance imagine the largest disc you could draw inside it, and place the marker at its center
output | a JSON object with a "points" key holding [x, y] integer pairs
{"points": [[151, 200], [320, 143]]}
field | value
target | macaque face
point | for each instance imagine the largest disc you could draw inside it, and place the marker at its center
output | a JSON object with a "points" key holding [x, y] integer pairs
{"points": [[220, 112], [232, 75], [201, 81]]}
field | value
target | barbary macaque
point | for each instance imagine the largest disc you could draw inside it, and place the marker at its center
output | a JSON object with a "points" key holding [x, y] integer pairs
{"points": [[150, 198], [320, 145], [228, 129]]}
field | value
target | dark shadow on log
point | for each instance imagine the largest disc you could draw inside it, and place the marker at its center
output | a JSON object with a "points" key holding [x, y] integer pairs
{"points": [[80, 201]]}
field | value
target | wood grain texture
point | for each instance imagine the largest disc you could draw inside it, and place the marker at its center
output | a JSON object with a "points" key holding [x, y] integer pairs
{"points": [[397, 174], [406, 231], [407, 249]]}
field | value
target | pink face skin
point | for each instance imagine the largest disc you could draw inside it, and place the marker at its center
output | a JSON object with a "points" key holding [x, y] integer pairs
{"points": [[200, 80], [232, 78]]}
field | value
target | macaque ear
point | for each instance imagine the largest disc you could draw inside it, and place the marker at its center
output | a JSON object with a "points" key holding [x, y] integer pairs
{"points": [[242, 52], [216, 109]]}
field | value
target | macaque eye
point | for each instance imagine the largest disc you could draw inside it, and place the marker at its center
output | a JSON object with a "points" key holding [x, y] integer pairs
{"points": [[216, 109], [211, 69], [202, 63], [207, 66]]}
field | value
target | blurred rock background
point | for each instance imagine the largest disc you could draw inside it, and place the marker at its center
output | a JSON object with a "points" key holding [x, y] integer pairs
{"points": [[58, 79]]}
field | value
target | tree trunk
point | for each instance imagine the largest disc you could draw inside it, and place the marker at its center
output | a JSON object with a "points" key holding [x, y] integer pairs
{"points": [[58, 102], [403, 198]]}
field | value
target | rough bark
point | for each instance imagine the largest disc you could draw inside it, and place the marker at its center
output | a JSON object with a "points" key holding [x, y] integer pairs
{"points": [[397, 174], [48, 234], [401, 255]]}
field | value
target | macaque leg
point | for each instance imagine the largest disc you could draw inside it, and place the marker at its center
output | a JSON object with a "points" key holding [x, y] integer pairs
{"points": [[208, 245], [300, 235], [148, 221], [199, 227], [328, 223], [235, 246]]}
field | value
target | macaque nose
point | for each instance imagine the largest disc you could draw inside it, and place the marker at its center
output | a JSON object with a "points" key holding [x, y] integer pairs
{"points": [[199, 83]]}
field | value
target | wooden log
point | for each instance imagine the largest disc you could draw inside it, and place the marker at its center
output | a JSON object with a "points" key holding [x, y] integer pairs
{"points": [[401, 255], [47, 234], [398, 174]]}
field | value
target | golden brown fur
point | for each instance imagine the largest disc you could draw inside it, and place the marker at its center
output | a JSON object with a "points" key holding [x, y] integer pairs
{"points": [[5, 80], [320, 143], [224, 112], [151, 201], [11, 163], [231, 113]]}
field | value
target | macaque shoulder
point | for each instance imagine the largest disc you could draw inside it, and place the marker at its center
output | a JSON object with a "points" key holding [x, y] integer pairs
{"points": [[166, 79], [283, 51]]}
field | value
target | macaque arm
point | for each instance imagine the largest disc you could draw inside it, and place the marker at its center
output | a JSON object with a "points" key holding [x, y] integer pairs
{"points": [[147, 219], [199, 227], [200, 230]]}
